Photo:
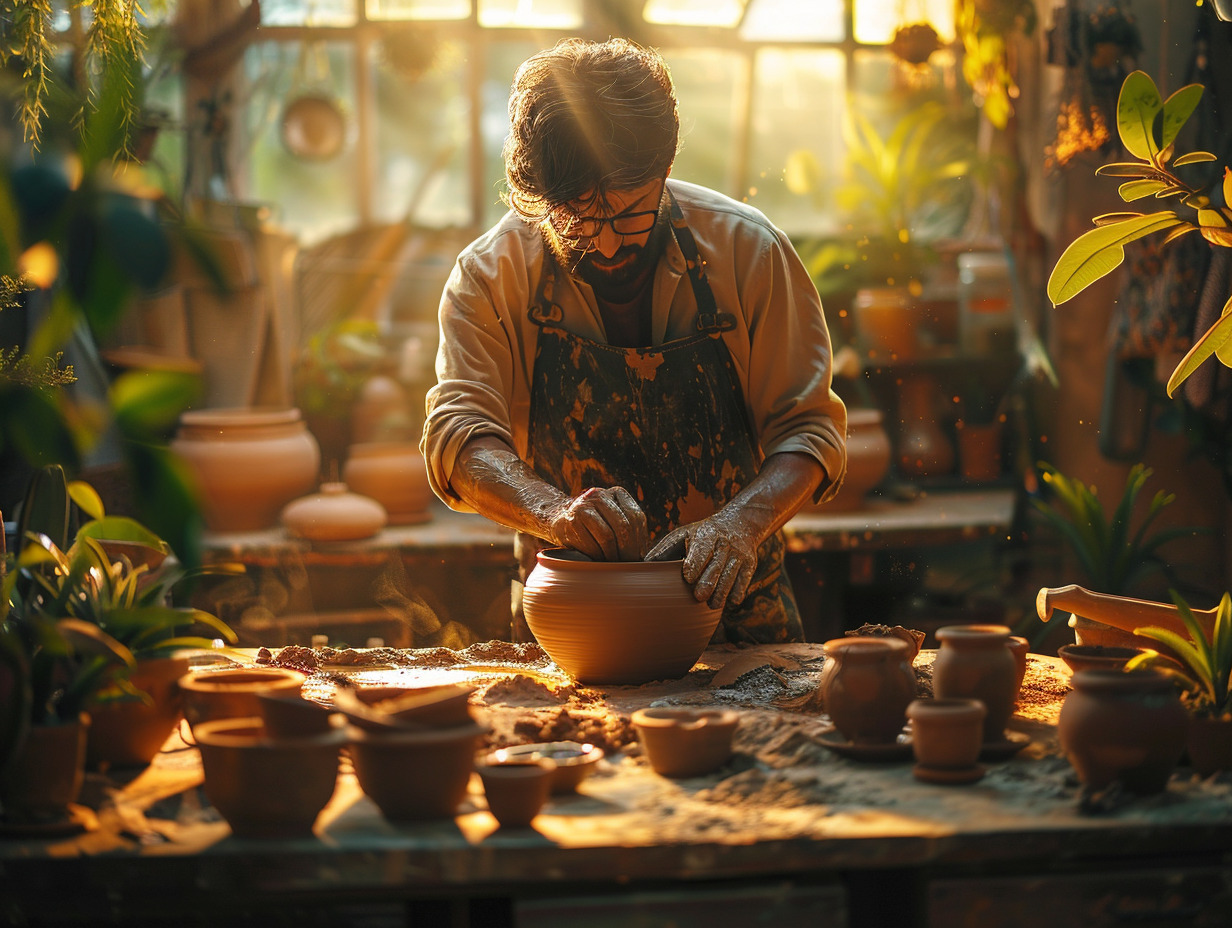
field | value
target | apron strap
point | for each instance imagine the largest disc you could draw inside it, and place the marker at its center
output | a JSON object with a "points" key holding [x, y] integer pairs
{"points": [[709, 320]]}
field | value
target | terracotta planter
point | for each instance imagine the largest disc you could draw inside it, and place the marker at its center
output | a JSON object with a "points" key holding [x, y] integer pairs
{"points": [[1124, 727], [233, 692], [44, 777], [393, 474], [1096, 657], [131, 732], [979, 450], [1209, 743], [293, 716], [616, 622], [415, 775], [333, 514], [947, 734], [267, 787], [248, 463], [1019, 648], [686, 742], [868, 459], [866, 686], [975, 662], [516, 790]]}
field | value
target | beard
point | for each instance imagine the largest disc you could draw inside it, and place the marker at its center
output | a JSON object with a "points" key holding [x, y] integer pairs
{"points": [[620, 278]]}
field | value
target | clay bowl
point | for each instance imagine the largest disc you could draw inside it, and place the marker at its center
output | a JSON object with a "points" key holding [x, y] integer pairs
{"points": [[293, 716], [616, 622], [232, 692], [574, 761], [686, 742], [1096, 656], [430, 706], [517, 789], [415, 774], [264, 787]]}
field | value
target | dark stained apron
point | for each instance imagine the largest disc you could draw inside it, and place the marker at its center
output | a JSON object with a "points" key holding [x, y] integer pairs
{"points": [[667, 423]]}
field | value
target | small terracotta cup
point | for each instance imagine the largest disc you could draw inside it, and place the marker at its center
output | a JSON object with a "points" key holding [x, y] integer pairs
{"points": [[516, 790], [947, 734], [574, 761], [686, 742]]}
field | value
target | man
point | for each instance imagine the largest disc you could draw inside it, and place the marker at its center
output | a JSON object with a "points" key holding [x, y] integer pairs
{"points": [[631, 366]]}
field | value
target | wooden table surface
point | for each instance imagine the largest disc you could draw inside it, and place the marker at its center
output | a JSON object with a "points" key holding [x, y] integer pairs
{"points": [[785, 806]]}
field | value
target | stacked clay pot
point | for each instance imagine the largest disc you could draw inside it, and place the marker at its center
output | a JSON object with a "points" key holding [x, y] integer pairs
{"points": [[622, 622], [866, 686], [1123, 727], [976, 662], [247, 463], [233, 692]]}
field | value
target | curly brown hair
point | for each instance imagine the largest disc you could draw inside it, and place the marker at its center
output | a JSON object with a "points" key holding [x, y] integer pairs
{"points": [[587, 116]]}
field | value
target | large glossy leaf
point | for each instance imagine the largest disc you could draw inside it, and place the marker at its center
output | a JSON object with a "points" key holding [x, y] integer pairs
{"points": [[1096, 253], [148, 403], [1177, 110], [1137, 107], [121, 528], [1137, 189], [1218, 338]]}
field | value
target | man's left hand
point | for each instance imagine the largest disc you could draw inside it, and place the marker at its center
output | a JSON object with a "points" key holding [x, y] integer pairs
{"points": [[720, 556]]}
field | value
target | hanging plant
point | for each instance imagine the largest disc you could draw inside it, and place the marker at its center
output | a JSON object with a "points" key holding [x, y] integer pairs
{"points": [[915, 43], [986, 29]]}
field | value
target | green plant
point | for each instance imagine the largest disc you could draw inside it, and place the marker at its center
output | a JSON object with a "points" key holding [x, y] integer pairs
{"points": [[1114, 555], [986, 28], [1205, 669], [334, 366], [1149, 128]]}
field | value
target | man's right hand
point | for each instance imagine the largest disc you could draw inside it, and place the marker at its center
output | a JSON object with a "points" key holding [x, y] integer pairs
{"points": [[603, 524]]}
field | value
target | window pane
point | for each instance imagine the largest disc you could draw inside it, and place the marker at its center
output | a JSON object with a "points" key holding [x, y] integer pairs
{"points": [[279, 73], [501, 60], [790, 20], [706, 82], [874, 21], [796, 157], [724, 13], [418, 9], [422, 133], [531, 14], [317, 13]]}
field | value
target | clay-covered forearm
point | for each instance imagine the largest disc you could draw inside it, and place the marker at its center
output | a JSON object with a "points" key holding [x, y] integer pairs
{"points": [[491, 477], [782, 485]]}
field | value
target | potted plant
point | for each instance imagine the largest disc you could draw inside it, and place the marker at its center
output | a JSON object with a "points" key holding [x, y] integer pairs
{"points": [[1204, 674]]}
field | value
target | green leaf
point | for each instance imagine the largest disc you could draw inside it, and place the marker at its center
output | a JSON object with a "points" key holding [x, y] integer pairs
{"points": [[121, 528], [1096, 253], [1194, 157], [1137, 106], [1177, 110], [1137, 189], [87, 499], [1218, 338], [1185, 650], [1126, 169], [148, 403]]}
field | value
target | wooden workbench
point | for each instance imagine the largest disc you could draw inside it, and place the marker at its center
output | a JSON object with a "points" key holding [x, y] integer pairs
{"points": [[788, 833]]}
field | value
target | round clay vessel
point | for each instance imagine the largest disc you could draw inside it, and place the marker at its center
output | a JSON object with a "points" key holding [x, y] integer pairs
{"points": [[924, 449], [947, 733], [130, 732], [623, 622], [866, 686], [975, 662], [1125, 727], [414, 775], [686, 742], [574, 761], [334, 514], [267, 787], [247, 463], [381, 411], [293, 716], [1019, 647], [1096, 656], [868, 459], [517, 789], [394, 474], [232, 692], [1209, 744]]}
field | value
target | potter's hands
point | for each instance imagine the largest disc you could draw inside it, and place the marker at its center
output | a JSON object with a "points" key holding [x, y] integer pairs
{"points": [[720, 555], [604, 524]]}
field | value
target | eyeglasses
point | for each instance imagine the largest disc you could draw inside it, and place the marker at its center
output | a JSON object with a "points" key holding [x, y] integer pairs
{"points": [[589, 227]]}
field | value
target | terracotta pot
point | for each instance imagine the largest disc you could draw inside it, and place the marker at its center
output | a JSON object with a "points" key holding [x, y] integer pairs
{"points": [[381, 411], [979, 450], [267, 787], [130, 732], [868, 459], [333, 514], [415, 775], [975, 662], [1096, 657], [924, 450], [1209, 743], [866, 686], [686, 742], [623, 622], [293, 716], [232, 692], [248, 463], [947, 733], [1019, 647], [1125, 727], [516, 790], [886, 323], [44, 777], [394, 474], [574, 761]]}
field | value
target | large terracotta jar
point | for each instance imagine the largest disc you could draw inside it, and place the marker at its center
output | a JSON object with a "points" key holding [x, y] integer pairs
{"points": [[248, 463], [868, 459], [623, 622], [866, 686], [975, 662], [394, 474], [1124, 727]]}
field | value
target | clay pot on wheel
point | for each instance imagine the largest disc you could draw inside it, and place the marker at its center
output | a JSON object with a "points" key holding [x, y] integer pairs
{"points": [[866, 686], [1124, 727], [624, 622], [975, 662]]}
